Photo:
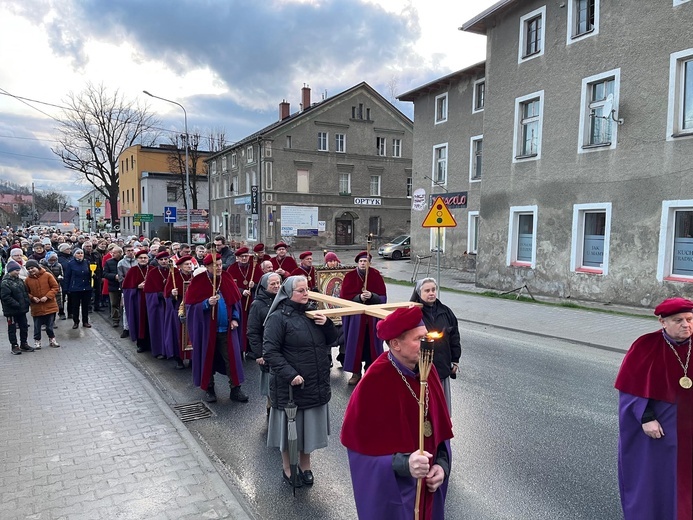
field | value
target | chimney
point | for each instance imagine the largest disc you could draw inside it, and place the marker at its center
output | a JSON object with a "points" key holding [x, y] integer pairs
{"points": [[284, 110], [305, 97]]}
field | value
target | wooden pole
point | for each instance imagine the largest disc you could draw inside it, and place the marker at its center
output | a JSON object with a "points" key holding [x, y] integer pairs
{"points": [[368, 256]]}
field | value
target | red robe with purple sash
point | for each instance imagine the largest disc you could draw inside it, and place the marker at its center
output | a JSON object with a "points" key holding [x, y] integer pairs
{"points": [[135, 302], [156, 311], [173, 327]]}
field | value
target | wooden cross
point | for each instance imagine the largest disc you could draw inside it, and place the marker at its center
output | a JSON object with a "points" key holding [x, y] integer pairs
{"points": [[349, 308]]}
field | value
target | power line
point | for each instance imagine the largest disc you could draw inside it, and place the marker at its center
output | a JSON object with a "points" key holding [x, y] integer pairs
{"points": [[30, 156]]}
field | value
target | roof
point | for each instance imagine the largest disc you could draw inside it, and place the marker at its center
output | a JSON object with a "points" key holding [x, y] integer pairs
{"points": [[441, 83], [479, 24], [52, 216]]}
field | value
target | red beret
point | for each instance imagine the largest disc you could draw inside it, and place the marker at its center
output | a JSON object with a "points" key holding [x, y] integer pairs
{"points": [[140, 252], [241, 251], [305, 254], [331, 257], [208, 259], [259, 247], [163, 254], [363, 254], [280, 244], [183, 259], [673, 306], [400, 321]]}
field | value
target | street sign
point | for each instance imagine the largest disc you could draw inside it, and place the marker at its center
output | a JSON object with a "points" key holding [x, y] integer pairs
{"points": [[143, 217], [439, 216], [170, 214]]}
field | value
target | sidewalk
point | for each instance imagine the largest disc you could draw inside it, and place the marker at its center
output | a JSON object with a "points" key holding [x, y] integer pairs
{"points": [[83, 435]]}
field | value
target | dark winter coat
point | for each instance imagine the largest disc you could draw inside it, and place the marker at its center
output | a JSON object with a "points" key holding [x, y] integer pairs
{"points": [[14, 296], [77, 276], [439, 317], [256, 318], [294, 345], [110, 271], [64, 259]]}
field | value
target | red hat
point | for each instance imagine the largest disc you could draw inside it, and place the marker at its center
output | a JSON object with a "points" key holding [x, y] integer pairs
{"points": [[363, 254], [208, 259], [241, 251], [141, 252], [673, 306], [280, 244], [331, 257], [259, 248], [163, 254], [305, 254], [183, 259], [400, 321]]}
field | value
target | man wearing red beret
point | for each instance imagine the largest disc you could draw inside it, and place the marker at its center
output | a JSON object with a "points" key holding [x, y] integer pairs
{"points": [[381, 429], [156, 306], [173, 293], [259, 252], [655, 447], [245, 276], [135, 302], [362, 344], [305, 268], [283, 264]]}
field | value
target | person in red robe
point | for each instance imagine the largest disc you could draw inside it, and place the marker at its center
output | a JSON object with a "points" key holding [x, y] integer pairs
{"points": [[381, 429], [245, 276], [305, 268], [156, 306], [173, 293], [283, 264], [213, 313], [259, 252], [134, 301], [362, 346], [655, 443]]}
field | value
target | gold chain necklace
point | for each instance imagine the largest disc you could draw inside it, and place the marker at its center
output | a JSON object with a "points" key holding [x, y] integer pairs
{"points": [[428, 429], [685, 381]]}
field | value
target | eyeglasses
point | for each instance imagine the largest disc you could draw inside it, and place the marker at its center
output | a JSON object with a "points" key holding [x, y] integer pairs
{"points": [[301, 291]]}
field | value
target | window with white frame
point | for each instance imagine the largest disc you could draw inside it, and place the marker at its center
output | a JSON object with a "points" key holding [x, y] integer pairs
{"points": [[476, 145], [440, 164], [381, 146], [268, 148], [590, 238], [532, 29], [251, 229], [676, 241], [171, 193], [375, 186], [288, 141], [583, 19], [680, 109], [598, 109], [249, 154], [437, 239], [479, 95], [345, 184], [268, 176], [410, 187], [234, 188], [213, 167], [396, 148], [322, 142], [302, 178], [522, 236], [340, 143], [223, 164], [441, 114], [472, 232], [234, 160], [528, 127]]}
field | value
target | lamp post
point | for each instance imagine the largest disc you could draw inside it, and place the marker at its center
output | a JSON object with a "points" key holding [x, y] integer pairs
{"points": [[187, 168]]}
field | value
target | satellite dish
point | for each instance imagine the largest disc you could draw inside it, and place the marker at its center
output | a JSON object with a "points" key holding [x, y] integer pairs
{"points": [[608, 107]]}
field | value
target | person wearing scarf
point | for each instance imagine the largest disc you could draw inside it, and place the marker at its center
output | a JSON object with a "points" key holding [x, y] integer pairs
{"points": [[173, 293], [213, 314], [440, 318], [655, 442], [134, 301]]}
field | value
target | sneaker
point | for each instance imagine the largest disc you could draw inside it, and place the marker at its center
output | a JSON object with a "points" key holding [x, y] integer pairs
{"points": [[24, 347], [53, 342], [37, 344], [238, 395], [125, 334], [15, 350], [210, 395], [62, 316]]}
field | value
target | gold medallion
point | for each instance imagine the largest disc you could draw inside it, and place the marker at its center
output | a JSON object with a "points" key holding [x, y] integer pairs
{"points": [[686, 382], [245, 282], [428, 429]]}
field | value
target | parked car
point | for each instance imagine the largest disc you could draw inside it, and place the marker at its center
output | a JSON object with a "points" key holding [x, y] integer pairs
{"points": [[400, 247]]}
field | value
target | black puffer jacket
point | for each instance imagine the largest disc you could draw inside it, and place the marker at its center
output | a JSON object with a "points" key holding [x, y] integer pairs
{"points": [[14, 296], [256, 319], [439, 317], [110, 271], [294, 345]]}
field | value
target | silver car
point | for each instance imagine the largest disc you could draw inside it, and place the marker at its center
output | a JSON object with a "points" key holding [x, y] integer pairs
{"points": [[400, 247]]}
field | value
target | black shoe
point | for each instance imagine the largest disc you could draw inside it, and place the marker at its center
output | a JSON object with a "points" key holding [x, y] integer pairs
{"points": [[307, 477], [86, 325], [210, 395], [125, 334], [116, 325], [287, 479], [75, 325], [24, 347], [179, 364], [238, 395], [141, 349], [16, 350], [62, 316]]}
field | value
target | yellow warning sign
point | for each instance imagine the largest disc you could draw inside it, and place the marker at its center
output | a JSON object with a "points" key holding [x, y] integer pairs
{"points": [[439, 216]]}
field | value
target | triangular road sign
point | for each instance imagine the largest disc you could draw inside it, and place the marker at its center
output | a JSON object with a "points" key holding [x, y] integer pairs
{"points": [[439, 216]]}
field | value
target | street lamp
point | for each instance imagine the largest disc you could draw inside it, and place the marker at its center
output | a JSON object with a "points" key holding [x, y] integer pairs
{"points": [[187, 169]]}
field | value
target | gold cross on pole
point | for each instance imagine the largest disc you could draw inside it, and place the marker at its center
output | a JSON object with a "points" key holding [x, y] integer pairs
{"points": [[349, 308]]}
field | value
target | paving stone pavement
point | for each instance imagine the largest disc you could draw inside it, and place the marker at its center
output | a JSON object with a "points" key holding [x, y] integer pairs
{"points": [[83, 435]]}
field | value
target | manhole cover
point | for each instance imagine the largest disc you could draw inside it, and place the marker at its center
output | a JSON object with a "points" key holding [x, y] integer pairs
{"points": [[192, 411]]}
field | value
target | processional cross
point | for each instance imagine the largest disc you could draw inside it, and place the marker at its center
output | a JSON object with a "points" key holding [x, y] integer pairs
{"points": [[349, 308]]}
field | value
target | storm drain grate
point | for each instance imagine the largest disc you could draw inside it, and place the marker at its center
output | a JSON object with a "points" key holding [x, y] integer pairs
{"points": [[192, 411]]}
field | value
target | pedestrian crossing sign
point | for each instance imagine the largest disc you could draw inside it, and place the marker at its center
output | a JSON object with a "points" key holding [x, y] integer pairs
{"points": [[439, 215]]}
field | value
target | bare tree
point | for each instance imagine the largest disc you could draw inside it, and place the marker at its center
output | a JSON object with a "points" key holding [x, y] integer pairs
{"points": [[392, 87], [95, 129]]}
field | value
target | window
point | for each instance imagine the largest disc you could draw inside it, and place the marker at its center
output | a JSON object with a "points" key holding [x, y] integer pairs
{"points": [[268, 176], [380, 146], [374, 226], [522, 236], [479, 95], [441, 108], [368, 114], [213, 167], [590, 239], [375, 186], [234, 188], [528, 125], [340, 143], [531, 35], [676, 241], [599, 100], [583, 19], [475, 156], [472, 232], [223, 164], [437, 239], [396, 148], [132, 162], [248, 182], [171, 194], [133, 196], [322, 142], [288, 141], [345, 184], [680, 111], [302, 181], [251, 228], [234, 160], [249, 154], [410, 188], [440, 164]]}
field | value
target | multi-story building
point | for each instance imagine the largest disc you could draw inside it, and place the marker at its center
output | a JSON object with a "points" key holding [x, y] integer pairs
{"points": [[147, 186], [93, 212], [329, 174], [587, 127]]}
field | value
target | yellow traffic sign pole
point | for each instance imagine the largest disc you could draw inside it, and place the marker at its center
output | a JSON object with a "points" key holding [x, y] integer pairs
{"points": [[439, 216]]}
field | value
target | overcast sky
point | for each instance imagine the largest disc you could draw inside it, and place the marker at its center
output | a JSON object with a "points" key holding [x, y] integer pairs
{"points": [[229, 63]]}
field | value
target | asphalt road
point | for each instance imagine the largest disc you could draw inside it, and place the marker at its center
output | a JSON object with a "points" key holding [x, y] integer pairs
{"points": [[535, 424]]}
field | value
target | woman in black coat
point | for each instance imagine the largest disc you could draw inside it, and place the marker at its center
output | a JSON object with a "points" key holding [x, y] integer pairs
{"points": [[439, 317], [295, 347]]}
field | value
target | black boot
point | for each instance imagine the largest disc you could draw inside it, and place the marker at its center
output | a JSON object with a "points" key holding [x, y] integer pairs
{"points": [[238, 395], [179, 364], [210, 396], [15, 350]]}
